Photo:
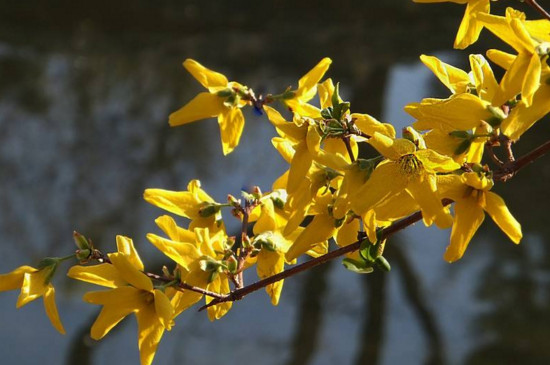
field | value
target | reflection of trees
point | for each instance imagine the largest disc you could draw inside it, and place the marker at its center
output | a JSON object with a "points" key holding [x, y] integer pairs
{"points": [[515, 330], [118, 90]]}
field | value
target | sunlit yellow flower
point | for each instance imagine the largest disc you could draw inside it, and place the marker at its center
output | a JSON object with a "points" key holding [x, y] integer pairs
{"points": [[530, 39], [407, 168], [198, 254], [472, 198], [470, 27], [446, 139], [307, 88], [268, 232], [194, 204], [223, 100], [132, 292], [34, 283]]}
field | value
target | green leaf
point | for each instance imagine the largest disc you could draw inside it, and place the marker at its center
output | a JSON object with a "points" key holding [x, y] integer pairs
{"points": [[463, 147], [356, 266]]}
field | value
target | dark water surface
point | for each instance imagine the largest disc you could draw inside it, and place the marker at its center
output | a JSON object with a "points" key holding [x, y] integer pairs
{"points": [[85, 92]]}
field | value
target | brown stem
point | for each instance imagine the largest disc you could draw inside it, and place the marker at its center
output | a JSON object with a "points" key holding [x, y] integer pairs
{"points": [[538, 8], [507, 171], [186, 286], [511, 168], [348, 148], [386, 232]]}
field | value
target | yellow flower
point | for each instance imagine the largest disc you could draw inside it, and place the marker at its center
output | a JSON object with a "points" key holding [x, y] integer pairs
{"points": [[407, 168], [268, 232], [223, 100], [194, 204], [34, 283], [307, 88], [530, 39], [132, 292], [470, 27], [472, 197], [198, 254]]}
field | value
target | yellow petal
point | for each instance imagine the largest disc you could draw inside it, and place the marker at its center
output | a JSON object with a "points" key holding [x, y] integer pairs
{"points": [[326, 89], [125, 245], [14, 280], [150, 331], [184, 253], [287, 130], [391, 148], [129, 272], [102, 274], [469, 29], [485, 81], [347, 234], [182, 203], [434, 162], [163, 309], [231, 122], [307, 85], [369, 125], [522, 118], [219, 285], [501, 58], [205, 76], [454, 78], [202, 106], [299, 167], [320, 229], [332, 160], [51, 309], [423, 190], [385, 182], [468, 218], [34, 286], [270, 263], [117, 304], [173, 231], [498, 211]]}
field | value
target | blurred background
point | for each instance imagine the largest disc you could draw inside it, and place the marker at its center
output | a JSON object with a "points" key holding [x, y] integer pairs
{"points": [[85, 93]]}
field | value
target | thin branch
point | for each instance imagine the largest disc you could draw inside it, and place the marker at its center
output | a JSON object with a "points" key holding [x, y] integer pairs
{"points": [[507, 171], [186, 286], [511, 168], [387, 232], [538, 8]]}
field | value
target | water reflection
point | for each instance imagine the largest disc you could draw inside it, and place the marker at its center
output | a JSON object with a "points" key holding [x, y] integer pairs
{"points": [[84, 99]]}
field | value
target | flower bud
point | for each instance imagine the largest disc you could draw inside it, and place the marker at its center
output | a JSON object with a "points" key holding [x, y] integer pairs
{"points": [[81, 241]]}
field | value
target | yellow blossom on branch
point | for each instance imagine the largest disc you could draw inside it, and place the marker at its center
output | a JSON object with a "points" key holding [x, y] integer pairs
{"points": [[223, 100], [470, 27], [132, 292], [472, 199], [34, 283]]}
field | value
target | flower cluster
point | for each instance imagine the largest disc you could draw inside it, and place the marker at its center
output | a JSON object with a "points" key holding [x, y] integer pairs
{"points": [[330, 192]]}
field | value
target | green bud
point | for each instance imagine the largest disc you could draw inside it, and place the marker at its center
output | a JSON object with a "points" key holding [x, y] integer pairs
{"points": [[213, 275], [463, 147], [382, 263], [81, 241], [288, 94], [209, 264], [83, 254], [498, 116], [208, 209], [48, 262], [279, 197], [357, 266], [225, 93], [231, 264], [327, 113], [336, 95], [460, 134]]}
